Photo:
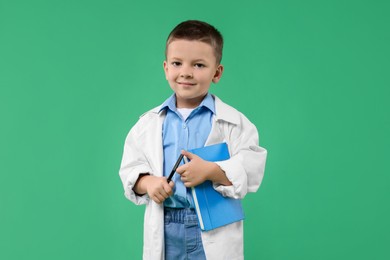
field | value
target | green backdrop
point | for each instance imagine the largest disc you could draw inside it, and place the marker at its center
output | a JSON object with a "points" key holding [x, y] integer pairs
{"points": [[312, 75]]}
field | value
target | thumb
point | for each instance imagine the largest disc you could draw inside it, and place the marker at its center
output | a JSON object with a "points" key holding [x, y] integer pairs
{"points": [[188, 154]]}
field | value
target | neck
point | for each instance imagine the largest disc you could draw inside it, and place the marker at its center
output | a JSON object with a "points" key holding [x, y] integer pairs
{"points": [[189, 103]]}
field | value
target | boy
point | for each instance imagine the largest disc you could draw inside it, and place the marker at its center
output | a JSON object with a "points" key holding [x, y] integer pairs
{"points": [[190, 118]]}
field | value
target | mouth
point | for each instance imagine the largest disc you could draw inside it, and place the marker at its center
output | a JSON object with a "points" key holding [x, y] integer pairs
{"points": [[186, 84]]}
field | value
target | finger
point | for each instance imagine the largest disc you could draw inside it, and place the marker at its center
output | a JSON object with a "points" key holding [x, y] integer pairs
{"points": [[181, 169], [185, 178], [188, 184], [159, 197], [164, 194], [167, 189], [171, 185], [156, 199]]}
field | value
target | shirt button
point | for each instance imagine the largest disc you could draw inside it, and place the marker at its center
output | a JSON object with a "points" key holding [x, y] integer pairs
{"points": [[184, 126]]}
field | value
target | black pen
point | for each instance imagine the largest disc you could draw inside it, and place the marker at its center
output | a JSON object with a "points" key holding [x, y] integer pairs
{"points": [[175, 167]]}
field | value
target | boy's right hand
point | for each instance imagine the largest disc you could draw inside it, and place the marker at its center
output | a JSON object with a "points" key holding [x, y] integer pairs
{"points": [[157, 188]]}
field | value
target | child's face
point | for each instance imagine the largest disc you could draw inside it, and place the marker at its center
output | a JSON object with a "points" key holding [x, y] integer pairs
{"points": [[190, 68]]}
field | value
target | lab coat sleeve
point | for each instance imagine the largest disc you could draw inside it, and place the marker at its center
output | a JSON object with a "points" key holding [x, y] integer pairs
{"points": [[245, 168], [133, 164]]}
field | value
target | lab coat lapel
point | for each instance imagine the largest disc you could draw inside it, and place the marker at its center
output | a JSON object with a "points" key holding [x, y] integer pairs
{"points": [[156, 146], [224, 113], [216, 136]]}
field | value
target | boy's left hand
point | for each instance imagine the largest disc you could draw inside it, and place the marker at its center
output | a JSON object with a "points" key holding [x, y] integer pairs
{"points": [[196, 171]]}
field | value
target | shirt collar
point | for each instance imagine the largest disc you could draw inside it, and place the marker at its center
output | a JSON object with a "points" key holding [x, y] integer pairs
{"points": [[170, 103], [221, 110]]}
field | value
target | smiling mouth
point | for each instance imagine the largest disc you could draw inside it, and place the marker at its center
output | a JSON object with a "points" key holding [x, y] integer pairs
{"points": [[186, 83]]}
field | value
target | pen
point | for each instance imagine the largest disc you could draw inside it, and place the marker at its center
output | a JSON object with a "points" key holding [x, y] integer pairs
{"points": [[175, 167]]}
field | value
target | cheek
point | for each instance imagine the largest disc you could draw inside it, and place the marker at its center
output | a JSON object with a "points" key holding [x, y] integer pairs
{"points": [[167, 75], [171, 75], [171, 79], [206, 78]]}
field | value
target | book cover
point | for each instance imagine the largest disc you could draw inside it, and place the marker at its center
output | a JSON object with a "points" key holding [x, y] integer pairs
{"points": [[213, 209]]}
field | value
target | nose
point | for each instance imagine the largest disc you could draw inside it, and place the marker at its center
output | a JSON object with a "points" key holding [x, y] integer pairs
{"points": [[186, 72]]}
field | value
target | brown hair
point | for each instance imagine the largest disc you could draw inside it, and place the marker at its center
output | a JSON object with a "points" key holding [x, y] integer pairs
{"points": [[195, 30]]}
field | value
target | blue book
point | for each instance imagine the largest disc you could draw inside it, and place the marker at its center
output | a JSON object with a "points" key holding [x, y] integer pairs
{"points": [[213, 209]]}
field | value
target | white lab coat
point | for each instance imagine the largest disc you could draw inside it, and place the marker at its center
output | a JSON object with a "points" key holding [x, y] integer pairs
{"points": [[143, 153]]}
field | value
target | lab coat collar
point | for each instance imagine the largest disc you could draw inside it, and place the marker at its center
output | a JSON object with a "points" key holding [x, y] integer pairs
{"points": [[224, 112]]}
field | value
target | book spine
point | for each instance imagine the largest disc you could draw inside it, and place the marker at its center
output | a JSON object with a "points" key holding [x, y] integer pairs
{"points": [[201, 224], [208, 204]]}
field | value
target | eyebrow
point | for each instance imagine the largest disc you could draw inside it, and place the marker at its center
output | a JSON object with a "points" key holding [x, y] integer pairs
{"points": [[194, 61]]}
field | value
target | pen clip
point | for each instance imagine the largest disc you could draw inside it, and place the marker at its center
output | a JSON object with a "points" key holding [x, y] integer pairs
{"points": [[185, 159]]}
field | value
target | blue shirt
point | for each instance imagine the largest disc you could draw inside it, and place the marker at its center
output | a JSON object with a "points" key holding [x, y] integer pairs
{"points": [[179, 134]]}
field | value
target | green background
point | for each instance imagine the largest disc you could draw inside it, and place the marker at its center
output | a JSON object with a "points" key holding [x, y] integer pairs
{"points": [[312, 75]]}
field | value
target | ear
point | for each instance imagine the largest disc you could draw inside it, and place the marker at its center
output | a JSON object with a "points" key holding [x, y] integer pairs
{"points": [[218, 73], [165, 65]]}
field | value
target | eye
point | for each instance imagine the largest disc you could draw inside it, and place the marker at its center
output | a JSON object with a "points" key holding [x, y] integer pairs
{"points": [[176, 63], [199, 65]]}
